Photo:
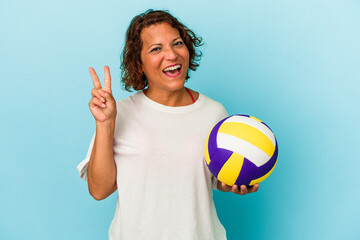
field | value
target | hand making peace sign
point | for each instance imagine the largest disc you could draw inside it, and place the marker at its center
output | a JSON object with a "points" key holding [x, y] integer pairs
{"points": [[102, 104]]}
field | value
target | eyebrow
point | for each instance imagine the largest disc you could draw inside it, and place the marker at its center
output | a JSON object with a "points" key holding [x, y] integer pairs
{"points": [[161, 44], [176, 39]]}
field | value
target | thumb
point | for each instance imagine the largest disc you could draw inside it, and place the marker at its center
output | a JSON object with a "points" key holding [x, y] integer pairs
{"points": [[106, 95]]}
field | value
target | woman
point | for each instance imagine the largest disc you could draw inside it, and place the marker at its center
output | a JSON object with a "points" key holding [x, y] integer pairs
{"points": [[150, 146]]}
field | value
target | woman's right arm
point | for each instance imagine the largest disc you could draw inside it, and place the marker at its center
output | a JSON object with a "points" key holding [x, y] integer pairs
{"points": [[101, 172]]}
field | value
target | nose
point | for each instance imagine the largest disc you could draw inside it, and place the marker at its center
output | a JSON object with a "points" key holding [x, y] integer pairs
{"points": [[170, 54]]}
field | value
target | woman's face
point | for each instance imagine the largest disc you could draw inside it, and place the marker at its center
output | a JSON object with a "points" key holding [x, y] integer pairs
{"points": [[164, 56]]}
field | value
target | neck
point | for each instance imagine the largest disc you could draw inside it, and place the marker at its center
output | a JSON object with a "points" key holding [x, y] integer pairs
{"points": [[176, 98]]}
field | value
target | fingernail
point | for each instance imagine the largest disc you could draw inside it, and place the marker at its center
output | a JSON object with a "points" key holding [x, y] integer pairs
{"points": [[103, 105]]}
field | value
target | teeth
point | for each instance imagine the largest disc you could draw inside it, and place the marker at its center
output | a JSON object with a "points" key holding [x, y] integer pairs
{"points": [[172, 68]]}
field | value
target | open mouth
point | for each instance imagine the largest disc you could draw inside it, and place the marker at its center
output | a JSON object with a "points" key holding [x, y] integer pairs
{"points": [[173, 70]]}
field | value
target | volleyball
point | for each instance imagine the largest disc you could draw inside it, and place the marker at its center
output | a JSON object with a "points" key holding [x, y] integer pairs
{"points": [[241, 149]]}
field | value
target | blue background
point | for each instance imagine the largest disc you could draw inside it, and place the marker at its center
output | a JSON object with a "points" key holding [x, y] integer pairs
{"points": [[293, 64]]}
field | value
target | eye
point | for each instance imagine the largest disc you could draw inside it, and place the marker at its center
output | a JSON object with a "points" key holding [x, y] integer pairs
{"points": [[178, 43], [155, 49]]}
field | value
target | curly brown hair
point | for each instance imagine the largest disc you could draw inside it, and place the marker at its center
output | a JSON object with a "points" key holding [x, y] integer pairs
{"points": [[131, 74]]}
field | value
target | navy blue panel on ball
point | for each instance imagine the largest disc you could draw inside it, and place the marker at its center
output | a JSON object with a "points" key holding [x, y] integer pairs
{"points": [[218, 160], [247, 172], [241, 115]]}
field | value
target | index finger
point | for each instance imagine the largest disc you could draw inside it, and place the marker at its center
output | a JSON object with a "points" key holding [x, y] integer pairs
{"points": [[254, 188], [95, 78], [107, 83]]}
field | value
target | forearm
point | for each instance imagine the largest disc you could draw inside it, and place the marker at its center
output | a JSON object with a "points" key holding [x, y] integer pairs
{"points": [[102, 169]]}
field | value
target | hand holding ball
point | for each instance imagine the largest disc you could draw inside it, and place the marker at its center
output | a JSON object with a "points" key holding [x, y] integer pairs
{"points": [[241, 149]]}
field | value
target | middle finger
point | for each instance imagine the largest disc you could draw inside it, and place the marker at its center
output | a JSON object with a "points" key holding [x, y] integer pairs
{"points": [[95, 78], [243, 190]]}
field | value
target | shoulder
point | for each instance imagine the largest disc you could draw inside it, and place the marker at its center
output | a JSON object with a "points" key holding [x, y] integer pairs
{"points": [[128, 109], [211, 102], [213, 107], [130, 101]]}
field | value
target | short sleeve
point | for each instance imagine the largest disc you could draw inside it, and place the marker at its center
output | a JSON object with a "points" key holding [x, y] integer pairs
{"points": [[214, 182], [223, 114], [83, 166]]}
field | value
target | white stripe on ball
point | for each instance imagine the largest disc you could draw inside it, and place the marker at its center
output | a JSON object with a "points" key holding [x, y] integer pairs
{"points": [[251, 122], [249, 151]]}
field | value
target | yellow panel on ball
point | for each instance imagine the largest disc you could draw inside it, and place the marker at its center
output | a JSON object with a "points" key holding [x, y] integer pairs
{"points": [[248, 134], [243, 150], [231, 169]]}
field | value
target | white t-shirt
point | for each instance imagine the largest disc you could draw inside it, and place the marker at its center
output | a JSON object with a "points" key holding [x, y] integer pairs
{"points": [[164, 185]]}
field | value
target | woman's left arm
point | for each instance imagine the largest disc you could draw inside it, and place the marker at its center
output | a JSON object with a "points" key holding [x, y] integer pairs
{"points": [[243, 190]]}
